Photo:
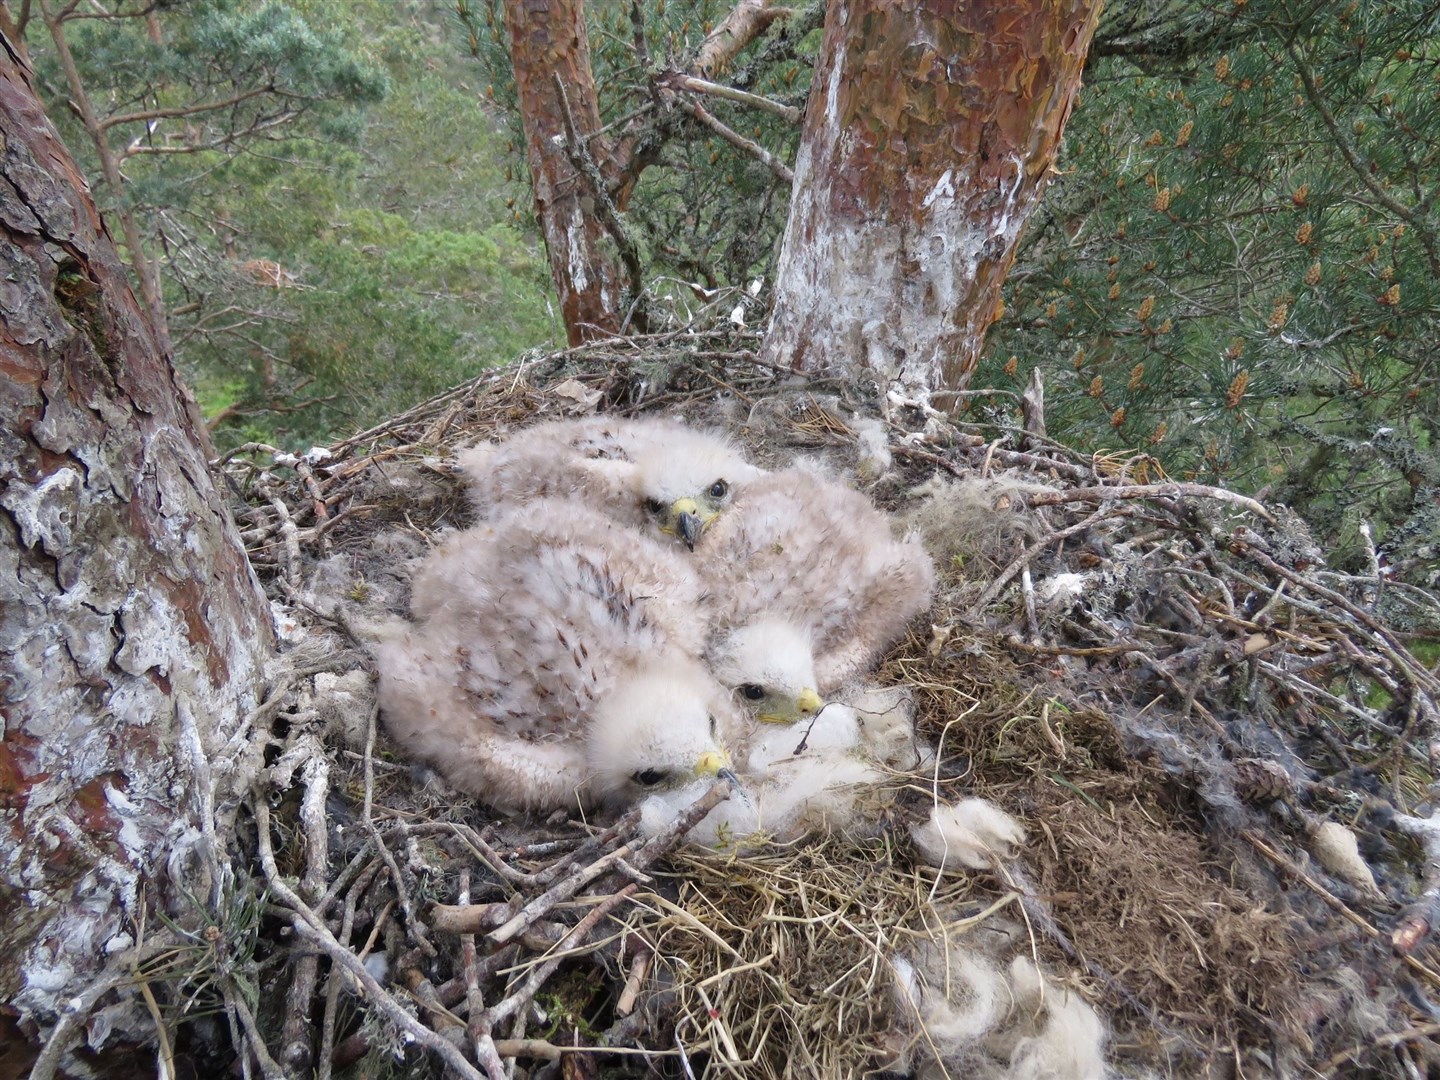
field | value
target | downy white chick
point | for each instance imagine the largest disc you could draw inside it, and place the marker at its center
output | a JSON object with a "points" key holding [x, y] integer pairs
{"points": [[799, 547], [647, 472], [553, 663], [771, 668], [769, 665]]}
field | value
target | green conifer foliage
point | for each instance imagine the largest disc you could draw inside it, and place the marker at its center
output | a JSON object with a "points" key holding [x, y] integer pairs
{"points": [[332, 245], [1239, 269]]}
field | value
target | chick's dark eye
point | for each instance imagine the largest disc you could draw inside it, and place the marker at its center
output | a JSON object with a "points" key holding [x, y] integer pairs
{"points": [[752, 691], [719, 489], [654, 505], [648, 777]]}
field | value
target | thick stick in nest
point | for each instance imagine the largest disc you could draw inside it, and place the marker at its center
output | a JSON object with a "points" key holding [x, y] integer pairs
{"points": [[478, 1042]]}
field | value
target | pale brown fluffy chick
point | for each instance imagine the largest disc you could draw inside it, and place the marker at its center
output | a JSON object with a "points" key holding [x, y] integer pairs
{"points": [[650, 473], [553, 664], [800, 547]]}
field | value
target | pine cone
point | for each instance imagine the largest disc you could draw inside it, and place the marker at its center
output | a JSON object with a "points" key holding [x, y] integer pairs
{"points": [[1260, 781]]}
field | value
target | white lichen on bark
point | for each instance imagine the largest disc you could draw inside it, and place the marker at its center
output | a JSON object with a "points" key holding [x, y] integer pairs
{"points": [[125, 600], [928, 136]]}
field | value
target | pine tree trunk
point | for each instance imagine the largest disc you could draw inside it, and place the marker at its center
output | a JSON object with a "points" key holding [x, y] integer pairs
{"points": [[550, 52], [930, 129], [133, 632]]}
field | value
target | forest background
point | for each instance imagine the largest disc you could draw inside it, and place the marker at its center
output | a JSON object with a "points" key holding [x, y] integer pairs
{"points": [[1236, 269]]}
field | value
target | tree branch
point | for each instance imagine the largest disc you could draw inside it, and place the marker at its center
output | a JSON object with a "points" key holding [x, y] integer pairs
{"points": [[1352, 157], [675, 80], [746, 21], [311, 927], [754, 149], [182, 110], [579, 153], [13, 27], [147, 272]]}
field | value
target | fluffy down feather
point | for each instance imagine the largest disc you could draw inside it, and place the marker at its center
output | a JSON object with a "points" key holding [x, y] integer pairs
{"points": [[973, 833], [886, 715], [643, 472], [1056, 1034], [798, 778], [971, 1015], [800, 547], [553, 662]]}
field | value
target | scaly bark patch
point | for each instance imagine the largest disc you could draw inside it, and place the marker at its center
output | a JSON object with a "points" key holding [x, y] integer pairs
{"points": [[126, 601], [929, 132]]}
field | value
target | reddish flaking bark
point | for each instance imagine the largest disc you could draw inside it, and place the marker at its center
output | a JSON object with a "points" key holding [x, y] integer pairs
{"points": [[133, 633], [930, 129], [549, 50]]}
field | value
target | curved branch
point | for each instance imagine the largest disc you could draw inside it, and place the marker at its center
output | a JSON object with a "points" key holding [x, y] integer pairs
{"points": [[754, 149], [182, 110], [746, 21], [675, 80]]}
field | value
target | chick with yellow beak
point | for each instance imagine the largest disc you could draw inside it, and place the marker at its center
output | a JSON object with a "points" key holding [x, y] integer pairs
{"points": [[805, 705], [769, 665], [716, 764], [687, 517]]}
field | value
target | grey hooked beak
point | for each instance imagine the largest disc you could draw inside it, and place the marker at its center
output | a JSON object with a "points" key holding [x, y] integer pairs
{"points": [[689, 526], [728, 774]]}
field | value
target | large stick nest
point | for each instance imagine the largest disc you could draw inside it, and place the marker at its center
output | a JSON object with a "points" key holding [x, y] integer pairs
{"points": [[1161, 680]]}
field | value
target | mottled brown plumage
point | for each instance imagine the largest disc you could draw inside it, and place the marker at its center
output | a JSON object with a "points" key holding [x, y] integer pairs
{"points": [[552, 660]]}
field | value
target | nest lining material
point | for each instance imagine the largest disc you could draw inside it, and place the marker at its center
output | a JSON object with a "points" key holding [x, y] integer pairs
{"points": [[1174, 721]]}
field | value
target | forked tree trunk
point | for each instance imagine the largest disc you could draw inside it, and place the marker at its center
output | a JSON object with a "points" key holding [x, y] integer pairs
{"points": [[929, 132], [550, 52], [132, 630]]}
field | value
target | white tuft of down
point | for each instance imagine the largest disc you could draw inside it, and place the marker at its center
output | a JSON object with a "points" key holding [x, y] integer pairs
{"points": [[953, 1016], [1338, 851], [973, 833], [1057, 1036], [972, 1015], [886, 715]]}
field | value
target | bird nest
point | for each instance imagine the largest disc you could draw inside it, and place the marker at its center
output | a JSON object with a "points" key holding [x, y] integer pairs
{"points": [[1193, 717]]}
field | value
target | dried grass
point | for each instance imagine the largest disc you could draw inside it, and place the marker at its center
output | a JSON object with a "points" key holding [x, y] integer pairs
{"points": [[1165, 873]]}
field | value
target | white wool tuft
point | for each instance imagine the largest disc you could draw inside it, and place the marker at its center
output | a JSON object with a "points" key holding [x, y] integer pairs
{"points": [[1060, 1037], [974, 517], [886, 715], [873, 444], [1338, 851], [970, 1015], [972, 833], [1061, 590], [957, 998]]}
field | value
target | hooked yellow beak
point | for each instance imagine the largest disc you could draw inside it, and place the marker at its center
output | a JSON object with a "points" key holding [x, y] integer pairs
{"points": [[712, 763], [807, 704]]}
